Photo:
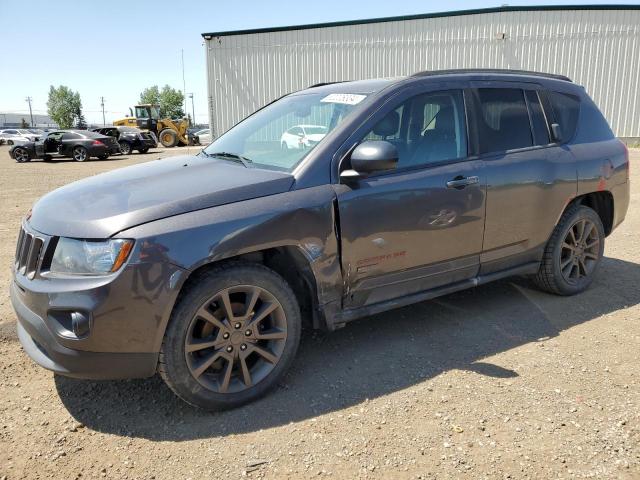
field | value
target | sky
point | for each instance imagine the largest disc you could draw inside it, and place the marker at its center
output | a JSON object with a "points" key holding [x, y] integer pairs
{"points": [[117, 48]]}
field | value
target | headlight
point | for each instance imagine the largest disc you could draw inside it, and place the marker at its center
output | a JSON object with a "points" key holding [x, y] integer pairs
{"points": [[89, 257]]}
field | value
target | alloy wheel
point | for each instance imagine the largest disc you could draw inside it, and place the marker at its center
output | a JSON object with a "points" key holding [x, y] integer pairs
{"points": [[79, 154], [580, 251], [235, 339], [20, 155]]}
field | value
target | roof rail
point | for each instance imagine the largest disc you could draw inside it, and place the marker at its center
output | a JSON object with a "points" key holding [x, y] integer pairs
{"points": [[325, 83], [428, 73]]}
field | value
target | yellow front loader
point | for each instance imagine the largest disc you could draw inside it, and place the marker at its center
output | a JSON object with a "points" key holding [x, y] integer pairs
{"points": [[169, 132]]}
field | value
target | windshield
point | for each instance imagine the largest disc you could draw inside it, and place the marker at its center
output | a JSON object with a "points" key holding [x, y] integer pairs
{"points": [[277, 137]]}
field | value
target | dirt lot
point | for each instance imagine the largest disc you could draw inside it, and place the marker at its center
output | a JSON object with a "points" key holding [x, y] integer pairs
{"points": [[498, 382]]}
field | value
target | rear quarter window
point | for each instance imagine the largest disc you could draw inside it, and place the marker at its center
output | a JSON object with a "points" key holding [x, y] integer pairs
{"points": [[566, 109], [592, 126]]}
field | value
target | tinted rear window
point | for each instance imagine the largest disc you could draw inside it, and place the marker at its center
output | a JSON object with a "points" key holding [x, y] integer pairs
{"points": [[592, 126], [566, 108], [503, 122]]}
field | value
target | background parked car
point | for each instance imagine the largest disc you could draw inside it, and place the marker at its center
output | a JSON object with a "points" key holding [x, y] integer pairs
{"points": [[129, 139], [77, 144], [204, 136], [302, 136], [14, 139], [23, 132]]}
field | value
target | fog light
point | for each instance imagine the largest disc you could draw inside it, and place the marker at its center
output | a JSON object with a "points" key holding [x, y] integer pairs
{"points": [[80, 324]]}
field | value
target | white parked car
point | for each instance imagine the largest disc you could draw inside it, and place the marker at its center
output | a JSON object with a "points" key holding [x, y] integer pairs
{"points": [[22, 132], [13, 139], [302, 136], [204, 136]]}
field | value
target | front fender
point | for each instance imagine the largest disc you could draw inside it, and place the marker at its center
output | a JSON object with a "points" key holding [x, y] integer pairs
{"points": [[304, 219]]}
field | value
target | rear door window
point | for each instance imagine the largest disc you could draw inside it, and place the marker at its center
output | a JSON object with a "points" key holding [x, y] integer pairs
{"points": [[566, 108], [502, 120], [538, 121]]}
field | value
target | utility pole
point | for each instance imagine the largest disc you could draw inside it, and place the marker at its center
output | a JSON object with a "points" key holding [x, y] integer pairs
{"points": [[184, 88], [104, 124], [28, 100], [193, 109]]}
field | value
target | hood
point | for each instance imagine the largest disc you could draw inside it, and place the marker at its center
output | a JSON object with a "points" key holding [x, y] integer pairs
{"points": [[100, 206], [316, 137]]}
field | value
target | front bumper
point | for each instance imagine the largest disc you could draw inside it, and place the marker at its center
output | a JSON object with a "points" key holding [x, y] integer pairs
{"points": [[44, 349], [123, 315]]}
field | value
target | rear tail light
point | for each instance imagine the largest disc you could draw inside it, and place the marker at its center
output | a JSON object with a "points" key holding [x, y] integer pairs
{"points": [[97, 142]]}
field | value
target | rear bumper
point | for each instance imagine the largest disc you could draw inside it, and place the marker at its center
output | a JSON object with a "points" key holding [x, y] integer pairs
{"points": [[42, 346], [146, 143]]}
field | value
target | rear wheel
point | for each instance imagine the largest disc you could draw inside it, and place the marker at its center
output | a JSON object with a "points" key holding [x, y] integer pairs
{"points": [[9, 142], [573, 253], [231, 338], [80, 154], [168, 138], [21, 155], [125, 148]]}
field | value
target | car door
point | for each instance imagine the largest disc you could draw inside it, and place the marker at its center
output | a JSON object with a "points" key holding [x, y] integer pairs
{"points": [[529, 180], [420, 225], [69, 139]]}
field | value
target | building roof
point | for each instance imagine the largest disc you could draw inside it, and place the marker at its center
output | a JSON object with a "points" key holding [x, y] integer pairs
{"points": [[455, 13]]}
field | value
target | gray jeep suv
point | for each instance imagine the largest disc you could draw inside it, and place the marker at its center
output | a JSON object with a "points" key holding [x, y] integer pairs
{"points": [[205, 268]]}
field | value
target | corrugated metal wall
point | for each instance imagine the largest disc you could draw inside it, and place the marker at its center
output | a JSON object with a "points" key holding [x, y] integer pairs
{"points": [[599, 49]]}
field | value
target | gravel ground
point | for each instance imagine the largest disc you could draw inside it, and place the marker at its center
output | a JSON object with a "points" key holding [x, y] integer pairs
{"points": [[501, 381]]}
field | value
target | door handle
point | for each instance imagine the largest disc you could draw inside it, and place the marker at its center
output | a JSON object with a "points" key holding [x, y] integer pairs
{"points": [[460, 182]]}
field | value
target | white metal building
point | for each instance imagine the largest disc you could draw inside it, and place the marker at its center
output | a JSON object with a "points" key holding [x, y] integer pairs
{"points": [[597, 46]]}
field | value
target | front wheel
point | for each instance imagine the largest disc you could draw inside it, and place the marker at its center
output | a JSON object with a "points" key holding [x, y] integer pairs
{"points": [[80, 154], [232, 336], [21, 155], [168, 138], [573, 253]]}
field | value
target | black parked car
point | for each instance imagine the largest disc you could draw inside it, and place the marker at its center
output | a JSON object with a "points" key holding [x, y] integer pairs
{"points": [[129, 138], [77, 144], [204, 268]]}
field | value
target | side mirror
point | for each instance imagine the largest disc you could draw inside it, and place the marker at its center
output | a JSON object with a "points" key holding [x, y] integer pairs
{"points": [[370, 157], [556, 132]]}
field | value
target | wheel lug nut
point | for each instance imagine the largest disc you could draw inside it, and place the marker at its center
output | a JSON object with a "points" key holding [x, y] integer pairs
{"points": [[248, 333], [229, 349], [237, 325], [243, 347], [225, 336]]}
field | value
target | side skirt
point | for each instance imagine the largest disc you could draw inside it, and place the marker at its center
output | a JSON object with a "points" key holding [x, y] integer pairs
{"points": [[340, 318]]}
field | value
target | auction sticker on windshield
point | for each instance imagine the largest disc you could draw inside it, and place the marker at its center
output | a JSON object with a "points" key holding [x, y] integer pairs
{"points": [[346, 98]]}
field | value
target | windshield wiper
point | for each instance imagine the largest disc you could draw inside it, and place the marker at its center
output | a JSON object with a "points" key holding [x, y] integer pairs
{"points": [[234, 157]]}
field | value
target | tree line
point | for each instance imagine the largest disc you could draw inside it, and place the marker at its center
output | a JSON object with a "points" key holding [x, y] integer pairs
{"points": [[64, 106]]}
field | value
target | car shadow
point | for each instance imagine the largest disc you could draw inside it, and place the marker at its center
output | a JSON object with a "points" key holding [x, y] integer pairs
{"points": [[366, 359]]}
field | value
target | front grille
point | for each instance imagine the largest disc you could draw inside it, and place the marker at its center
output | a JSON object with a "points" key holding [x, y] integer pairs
{"points": [[28, 253]]}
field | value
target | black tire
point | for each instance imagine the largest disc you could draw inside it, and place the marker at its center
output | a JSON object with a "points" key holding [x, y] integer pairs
{"points": [[80, 153], [125, 148], [168, 138], [9, 142], [561, 248], [143, 150], [176, 364], [21, 155]]}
